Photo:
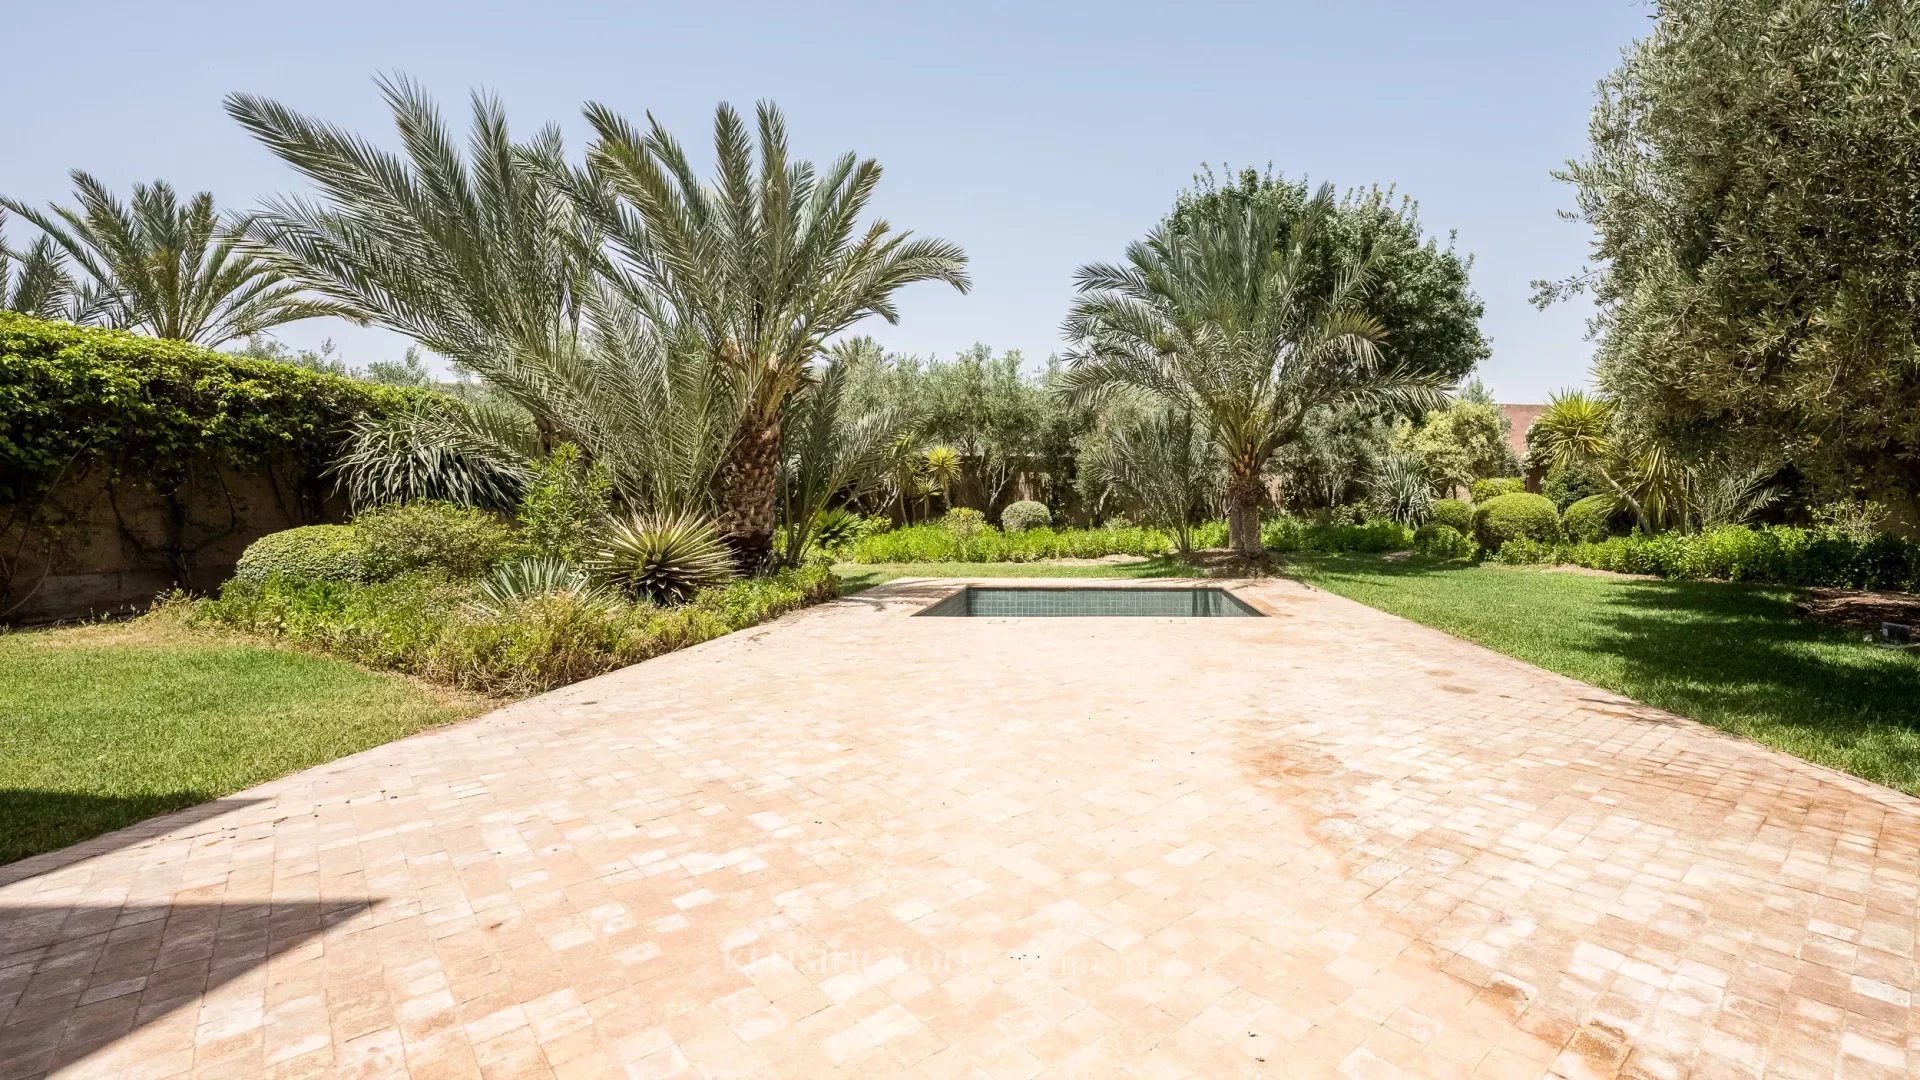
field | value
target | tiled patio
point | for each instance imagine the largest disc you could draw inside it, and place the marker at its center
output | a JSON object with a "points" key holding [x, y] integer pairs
{"points": [[852, 843]]}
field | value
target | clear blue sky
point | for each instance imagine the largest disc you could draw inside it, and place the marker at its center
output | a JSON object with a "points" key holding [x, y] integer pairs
{"points": [[1039, 136]]}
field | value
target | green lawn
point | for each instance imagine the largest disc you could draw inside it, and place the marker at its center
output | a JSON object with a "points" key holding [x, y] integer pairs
{"points": [[1733, 656], [105, 725], [857, 576]]}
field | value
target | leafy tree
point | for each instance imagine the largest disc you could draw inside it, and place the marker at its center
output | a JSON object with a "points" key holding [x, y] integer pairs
{"points": [[170, 268], [1218, 311], [1337, 449], [985, 407], [1461, 443], [1418, 290], [1756, 211]]}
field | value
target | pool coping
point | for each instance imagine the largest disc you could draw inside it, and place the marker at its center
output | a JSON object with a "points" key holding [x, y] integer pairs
{"points": [[1246, 590]]}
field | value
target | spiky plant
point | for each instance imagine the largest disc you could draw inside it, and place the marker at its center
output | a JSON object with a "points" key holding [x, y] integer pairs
{"points": [[836, 526], [516, 582], [466, 454], [1163, 464], [665, 558], [833, 449], [171, 268], [760, 268], [1401, 489], [941, 468], [1220, 316]]}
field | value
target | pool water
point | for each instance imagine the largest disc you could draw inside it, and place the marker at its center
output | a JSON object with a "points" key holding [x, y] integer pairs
{"points": [[995, 602]]}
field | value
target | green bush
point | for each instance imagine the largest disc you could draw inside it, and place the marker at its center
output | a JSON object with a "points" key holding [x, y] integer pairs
{"points": [[1773, 554], [564, 506], [1288, 534], [1566, 486], [1025, 514], [1495, 486], [936, 543], [1590, 520], [1443, 542], [1452, 513], [1514, 516], [1526, 551], [159, 411], [665, 558], [404, 538], [309, 553], [433, 627]]}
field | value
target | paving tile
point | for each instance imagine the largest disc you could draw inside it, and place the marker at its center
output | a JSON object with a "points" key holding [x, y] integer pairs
{"points": [[1323, 843]]}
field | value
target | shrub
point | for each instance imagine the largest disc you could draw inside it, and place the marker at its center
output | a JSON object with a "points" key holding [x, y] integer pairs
{"points": [[565, 504], [1443, 542], [665, 558], [527, 642], [1025, 514], [1210, 534], [1514, 516], [1526, 551], [538, 575], [1590, 520], [1566, 486], [1773, 554], [404, 538], [1495, 486], [936, 543], [1290, 534], [1452, 513], [71, 396], [310, 553]]}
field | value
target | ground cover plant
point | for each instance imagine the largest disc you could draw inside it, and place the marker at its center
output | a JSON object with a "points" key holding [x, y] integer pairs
{"points": [[1733, 656], [107, 724]]}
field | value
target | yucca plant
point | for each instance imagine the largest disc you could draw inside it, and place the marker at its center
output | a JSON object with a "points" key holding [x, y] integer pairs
{"points": [[517, 582], [665, 558], [1400, 489]]}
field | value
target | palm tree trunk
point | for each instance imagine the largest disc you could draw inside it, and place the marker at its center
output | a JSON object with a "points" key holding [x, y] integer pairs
{"points": [[1243, 512], [747, 494]]}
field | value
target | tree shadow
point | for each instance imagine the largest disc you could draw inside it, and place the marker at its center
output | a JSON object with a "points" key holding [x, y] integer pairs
{"points": [[1733, 655], [37, 826], [74, 979]]}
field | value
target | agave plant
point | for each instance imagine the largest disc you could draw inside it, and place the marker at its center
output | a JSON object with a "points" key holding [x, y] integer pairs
{"points": [[665, 558], [517, 582]]}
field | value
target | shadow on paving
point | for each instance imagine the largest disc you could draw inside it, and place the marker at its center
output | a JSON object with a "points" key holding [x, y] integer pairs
{"points": [[1734, 655], [36, 826], [76, 978]]}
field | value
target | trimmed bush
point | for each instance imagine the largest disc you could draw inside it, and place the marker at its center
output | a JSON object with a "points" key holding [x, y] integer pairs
{"points": [[1774, 554], [1526, 551], [1025, 514], [458, 541], [1495, 486], [1290, 534], [1452, 513], [936, 543], [1589, 520], [1514, 516], [1443, 542], [308, 554]]}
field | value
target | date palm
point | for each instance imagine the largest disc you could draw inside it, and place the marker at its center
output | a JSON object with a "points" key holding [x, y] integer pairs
{"points": [[759, 268], [171, 268], [478, 256], [1218, 316], [34, 281]]}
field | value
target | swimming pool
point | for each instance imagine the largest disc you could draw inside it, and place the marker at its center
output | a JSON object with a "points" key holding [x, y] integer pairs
{"points": [[1005, 602]]}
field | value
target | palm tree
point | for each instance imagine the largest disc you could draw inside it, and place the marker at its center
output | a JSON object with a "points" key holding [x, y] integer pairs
{"points": [[479, 257], [170, 268], [39, 284], [1217, 316], [759, 269], [833, 448], [1162, 462]]}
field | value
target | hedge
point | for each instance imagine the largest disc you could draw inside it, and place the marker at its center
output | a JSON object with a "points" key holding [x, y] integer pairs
{"points": [[1773, 554], [74, 396], [1513, 516]]}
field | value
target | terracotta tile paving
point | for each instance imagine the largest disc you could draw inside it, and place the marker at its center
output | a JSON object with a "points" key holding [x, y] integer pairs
{"points": [[852, 843]]}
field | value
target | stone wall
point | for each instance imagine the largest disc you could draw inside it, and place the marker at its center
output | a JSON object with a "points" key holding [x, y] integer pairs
{"points": [[102, 545]]}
